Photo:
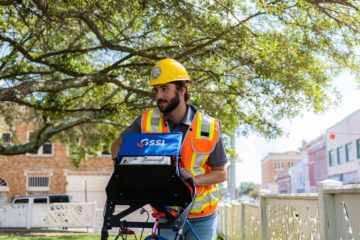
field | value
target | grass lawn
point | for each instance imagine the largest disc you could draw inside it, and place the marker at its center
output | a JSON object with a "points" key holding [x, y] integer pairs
{"points": [[65, 236], [59, 237]]}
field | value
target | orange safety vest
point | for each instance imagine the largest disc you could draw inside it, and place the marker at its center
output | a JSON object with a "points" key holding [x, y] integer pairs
{"points": [[199, 142]]}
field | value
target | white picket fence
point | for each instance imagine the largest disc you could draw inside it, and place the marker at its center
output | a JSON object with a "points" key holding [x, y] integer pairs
{"points": [[56, 215], [71, 216], [333, 213]]}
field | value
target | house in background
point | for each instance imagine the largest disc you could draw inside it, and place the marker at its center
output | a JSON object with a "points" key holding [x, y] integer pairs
{"points": [[343, 149], [284, 183], [311, 168], [49, 170], [316, 151], [274, 165], [300, 172]]}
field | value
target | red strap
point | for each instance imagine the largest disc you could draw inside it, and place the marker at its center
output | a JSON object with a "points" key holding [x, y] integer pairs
{"points": [[158, 215]]}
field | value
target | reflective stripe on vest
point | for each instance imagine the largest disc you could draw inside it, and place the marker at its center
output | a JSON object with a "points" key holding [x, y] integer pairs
{"points": [[199, 142], [152, 121]]}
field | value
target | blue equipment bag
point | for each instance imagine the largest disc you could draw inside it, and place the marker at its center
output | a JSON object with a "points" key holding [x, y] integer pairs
{"points": [[151, 144]]}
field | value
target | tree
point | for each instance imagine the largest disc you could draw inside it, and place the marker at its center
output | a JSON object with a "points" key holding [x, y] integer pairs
{"points": [[247, 187], [254, 194], [81, 67]]}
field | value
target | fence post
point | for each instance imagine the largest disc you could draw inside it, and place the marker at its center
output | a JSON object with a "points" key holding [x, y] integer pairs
{"points": [[264, 220], [228, 220], [222, 219], [327, 209], [234, 234], [29, 215], [242, 220], [94, 218]]}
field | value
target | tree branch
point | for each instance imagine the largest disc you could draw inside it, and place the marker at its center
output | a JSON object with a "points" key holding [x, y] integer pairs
{"points": [[30, 58], [28, 87], [16, 74], [92, 26], [46, 132], [9, 2], [217, 37], [339, 2], [67, 51]]}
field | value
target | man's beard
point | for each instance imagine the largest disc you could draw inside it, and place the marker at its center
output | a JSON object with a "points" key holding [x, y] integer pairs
{"points": [[172, 104]]}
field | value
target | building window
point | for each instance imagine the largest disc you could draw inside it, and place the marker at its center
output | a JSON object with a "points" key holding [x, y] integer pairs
{"points": [[278, 165], [45, 149], [6, 137], [340, 155], [358, 148], [38, 183], [331, 158], [2, 183], [4, 189], [348, 152]]}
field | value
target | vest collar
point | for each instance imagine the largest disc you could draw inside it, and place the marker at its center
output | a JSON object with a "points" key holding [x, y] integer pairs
{"points": [[189, 116]]}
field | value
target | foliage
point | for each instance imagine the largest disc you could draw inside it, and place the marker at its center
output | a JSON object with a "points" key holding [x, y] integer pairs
{"points": [[255, 193], [81, 67], [247, 187]]}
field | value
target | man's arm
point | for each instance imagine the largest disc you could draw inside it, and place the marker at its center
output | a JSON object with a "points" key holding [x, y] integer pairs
{"points": [[115, 147], [217, 175], [134, 127]]}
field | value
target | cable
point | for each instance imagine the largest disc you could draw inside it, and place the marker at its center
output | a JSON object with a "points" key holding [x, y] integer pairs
{"points": [[148, 217], [192, 230], [119, 234], [188, 224]]}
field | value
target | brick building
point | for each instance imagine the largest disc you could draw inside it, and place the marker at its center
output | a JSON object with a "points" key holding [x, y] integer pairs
{"points": [[50, 171], [275, 164]]}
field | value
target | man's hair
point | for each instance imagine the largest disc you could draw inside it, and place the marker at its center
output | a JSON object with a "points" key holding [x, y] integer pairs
{"points": [[179, 85]]}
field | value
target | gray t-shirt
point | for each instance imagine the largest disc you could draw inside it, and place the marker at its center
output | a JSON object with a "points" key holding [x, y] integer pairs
{"points": [[217, 156]]}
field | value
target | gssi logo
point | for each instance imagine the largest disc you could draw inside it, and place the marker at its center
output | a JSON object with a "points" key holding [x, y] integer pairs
{"points": [[153, 142]]}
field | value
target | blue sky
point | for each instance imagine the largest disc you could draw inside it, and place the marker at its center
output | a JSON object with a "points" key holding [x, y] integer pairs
{"points": [[306, 127]]}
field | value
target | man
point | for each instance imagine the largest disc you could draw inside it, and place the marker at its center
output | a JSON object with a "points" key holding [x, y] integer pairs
{"points": [[203, 155]]}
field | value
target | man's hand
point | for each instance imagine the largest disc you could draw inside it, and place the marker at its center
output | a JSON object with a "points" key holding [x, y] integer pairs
{"points": [[216, 175], [186, 173]]}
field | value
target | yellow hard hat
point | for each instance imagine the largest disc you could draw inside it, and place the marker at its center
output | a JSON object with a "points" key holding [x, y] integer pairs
{"points": [[168, 70]]}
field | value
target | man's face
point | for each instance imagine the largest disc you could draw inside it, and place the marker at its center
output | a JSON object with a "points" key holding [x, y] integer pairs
{"points": [[167, 97]]}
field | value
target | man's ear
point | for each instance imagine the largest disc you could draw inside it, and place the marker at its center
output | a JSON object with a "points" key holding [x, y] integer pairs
{"points": [[183, 89]]}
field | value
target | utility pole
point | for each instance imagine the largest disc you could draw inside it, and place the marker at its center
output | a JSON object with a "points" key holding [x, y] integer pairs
{"points": [[232, 172], [85, 189]]}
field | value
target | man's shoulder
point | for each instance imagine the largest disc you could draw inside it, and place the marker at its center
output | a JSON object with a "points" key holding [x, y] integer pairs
{"points": [[195, 110]]}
